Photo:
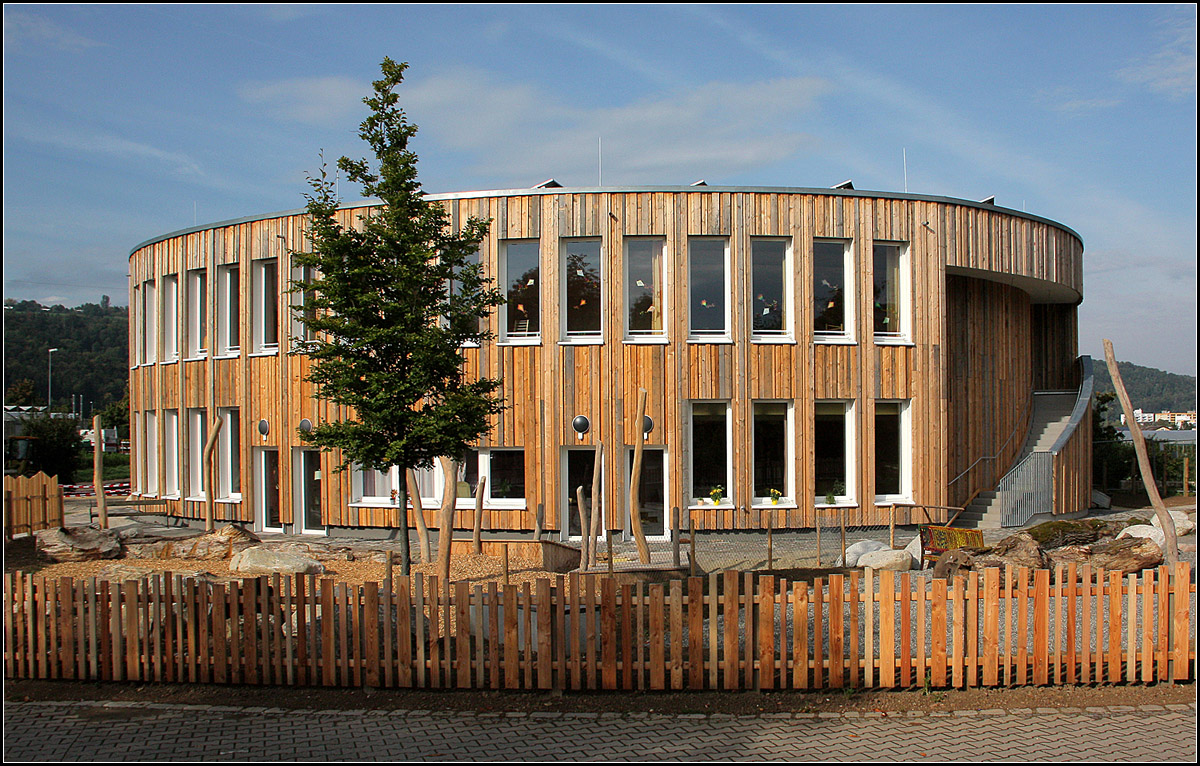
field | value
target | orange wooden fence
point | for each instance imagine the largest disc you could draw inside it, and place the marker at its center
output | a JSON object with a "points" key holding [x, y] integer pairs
{"points": [[31, 503], [728, 631]]}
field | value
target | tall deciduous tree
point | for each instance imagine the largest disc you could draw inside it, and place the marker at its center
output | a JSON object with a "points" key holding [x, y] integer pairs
{"points": [[393, 300]]}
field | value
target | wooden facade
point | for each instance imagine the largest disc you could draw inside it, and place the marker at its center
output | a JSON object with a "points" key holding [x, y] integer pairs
{"points": [[991, 297]]}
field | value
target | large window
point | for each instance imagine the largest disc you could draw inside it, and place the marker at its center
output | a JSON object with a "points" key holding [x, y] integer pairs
{"points": [[520, 266], [772, 452], [229, 451], [645, 308], [833, 289], [228, 309], [197, 436], [170, 429], [711, 466], [197, 302], [265, 277], [474, 325], [892, 452], [149, 316], [652, 491], [770, 316], [150, 450], [890, 269], [582, 288], [302, 301], [170, 318], [372, 487], [833, 437], [708, 288], [506, 476]]}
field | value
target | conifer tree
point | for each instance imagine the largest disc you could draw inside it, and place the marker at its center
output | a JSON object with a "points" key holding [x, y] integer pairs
{"points": [[391, 301]]}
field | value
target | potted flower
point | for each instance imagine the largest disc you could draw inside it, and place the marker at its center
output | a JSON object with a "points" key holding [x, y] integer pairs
{"points": [[775, 495], [716, 493], [832, 495]]}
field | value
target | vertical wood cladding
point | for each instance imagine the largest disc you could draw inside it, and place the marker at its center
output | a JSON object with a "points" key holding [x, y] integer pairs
{"points": [[974, 352]]}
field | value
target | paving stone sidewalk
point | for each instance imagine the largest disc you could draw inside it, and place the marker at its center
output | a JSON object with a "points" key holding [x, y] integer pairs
{"points": [[130, 731]]}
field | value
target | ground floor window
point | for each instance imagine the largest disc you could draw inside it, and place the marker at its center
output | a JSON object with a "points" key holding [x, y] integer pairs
{"points": [[711, 466], [772, 452], [652, 491], [892, 451], [833, 439]]}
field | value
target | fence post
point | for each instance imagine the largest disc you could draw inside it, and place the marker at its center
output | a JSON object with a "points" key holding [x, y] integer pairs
{"points": [[770, 543], [817, 518], [98, 472], [675, 537], [892, 526]]}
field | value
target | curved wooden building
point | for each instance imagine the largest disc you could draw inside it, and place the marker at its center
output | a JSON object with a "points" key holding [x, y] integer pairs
{"points": [[802, 350]]}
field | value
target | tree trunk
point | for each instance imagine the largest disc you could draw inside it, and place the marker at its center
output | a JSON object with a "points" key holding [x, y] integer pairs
{"points": [[1171, 553], [98, 471], [477, 534], [414, 494], [210, 476], [446, 520]]}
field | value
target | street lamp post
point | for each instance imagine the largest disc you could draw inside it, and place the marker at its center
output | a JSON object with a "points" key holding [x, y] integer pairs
{"points": [[49, 377]]}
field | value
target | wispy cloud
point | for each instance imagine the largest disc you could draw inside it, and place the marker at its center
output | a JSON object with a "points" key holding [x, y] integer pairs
{"points": [[74, 141], [1068, 101], [1171, 70], [320, 101], [25, 31]]}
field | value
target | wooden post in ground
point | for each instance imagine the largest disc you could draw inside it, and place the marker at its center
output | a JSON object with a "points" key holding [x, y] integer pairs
{"points": [[584, 527], [597, 509], [98, 471], [609, 534], [539, 521], [770, 543], [635, 481], [505, 565], [1187, 472], [892, 526], [675, 537], [843, 514], [414, 495], [817, 516], [387, 580], [210, 476], [691, 546], [477, 532], [1171, 548]]}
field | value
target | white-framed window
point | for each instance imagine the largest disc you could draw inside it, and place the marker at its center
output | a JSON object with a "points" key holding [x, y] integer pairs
{"points": [[773, 453], [150, 423], [264, 278], [504, 469], [369, 486], [170, 317], [833, 452], [708, 288], [520, 273], [891, 292], [645, 298], [197, 426], [582, 289], [770, 289], [197, 316], [652, 494], [303, 311], [893, 451], [149, 317], [833, 291], [137, 468], [170, 429], [454, 288], [139, 332], [229, 300], [229, 455], [712, 454]]}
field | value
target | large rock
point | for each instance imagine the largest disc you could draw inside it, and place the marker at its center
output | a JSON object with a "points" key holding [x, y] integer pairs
{"points": [[221, 544], [122, 571], [259, 560], [952, 563], [1147, 531], [78, 543], [1019, 550], [858, 549], [895, 561], [1183, 525], [917, 552]]}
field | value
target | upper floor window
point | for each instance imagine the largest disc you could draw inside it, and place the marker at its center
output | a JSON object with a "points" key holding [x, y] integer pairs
{"points": [[890, 274], [770, 314], [708, 288], [833, 314], [520, 266], [302, 301], [265, 276], [149, 316], [582, 288], [197, 303], [645, 308], [170, 317], [229, 297], [474, 325]]}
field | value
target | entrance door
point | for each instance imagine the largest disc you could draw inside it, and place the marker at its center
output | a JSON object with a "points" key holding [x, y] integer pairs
{"points": [[652, 493], [578, 466], [268, 500], [306, 491]]}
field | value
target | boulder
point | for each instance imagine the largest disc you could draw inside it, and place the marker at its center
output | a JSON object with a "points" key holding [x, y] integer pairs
{"points": [[916, 552], [1146, 531], [1183, 525], [895, 561], [221, 544], [858, 549], [317, 551], [78, 543], [121, 571], [1019, 550], [259, 560]]}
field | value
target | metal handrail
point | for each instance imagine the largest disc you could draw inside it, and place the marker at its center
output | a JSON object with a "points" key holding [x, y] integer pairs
{"points": [[1028, 409]]}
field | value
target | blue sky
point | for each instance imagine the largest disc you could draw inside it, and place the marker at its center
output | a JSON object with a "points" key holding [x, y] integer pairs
{"points": [[123, 123]]}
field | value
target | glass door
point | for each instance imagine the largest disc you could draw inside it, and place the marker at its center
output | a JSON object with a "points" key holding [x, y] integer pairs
{"points": [[578, 467], [306, 491], [267, 515]]}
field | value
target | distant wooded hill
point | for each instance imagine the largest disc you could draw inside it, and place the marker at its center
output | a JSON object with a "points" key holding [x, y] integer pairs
{"points": [[92, 358], [1150, 390]]}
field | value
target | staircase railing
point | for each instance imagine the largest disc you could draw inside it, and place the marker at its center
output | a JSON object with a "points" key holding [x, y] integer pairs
{"points": [[1028, 488]]}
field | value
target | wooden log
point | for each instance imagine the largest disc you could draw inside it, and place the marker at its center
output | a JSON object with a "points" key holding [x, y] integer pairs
{"points": [[210, 475], [597, 509], [584, 527], [1171, 546]]}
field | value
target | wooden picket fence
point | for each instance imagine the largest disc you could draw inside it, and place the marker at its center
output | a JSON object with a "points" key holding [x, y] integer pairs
{"points": [[731, 630], [31, 503]]}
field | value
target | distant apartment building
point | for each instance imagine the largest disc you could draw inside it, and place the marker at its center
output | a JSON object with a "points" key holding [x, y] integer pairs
{"points": [[1177, 419]]}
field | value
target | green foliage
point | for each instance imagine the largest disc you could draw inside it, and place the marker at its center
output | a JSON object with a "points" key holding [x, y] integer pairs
{"points": [[93, 356], [389, 331], [116, 415], [56, 451], [1150, 390], [20, 393]]}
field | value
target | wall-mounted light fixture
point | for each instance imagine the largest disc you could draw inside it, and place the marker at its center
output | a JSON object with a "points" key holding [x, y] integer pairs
{"points": [[581, 425], [264, 428], [647, 426], [306, 426]]}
